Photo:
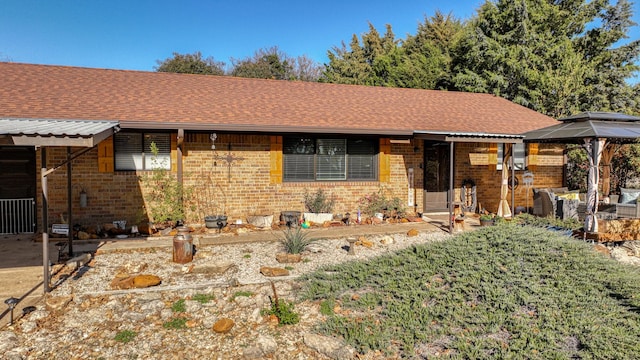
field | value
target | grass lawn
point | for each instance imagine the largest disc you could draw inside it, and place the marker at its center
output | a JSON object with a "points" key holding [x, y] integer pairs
{"points": [[507, 291]]}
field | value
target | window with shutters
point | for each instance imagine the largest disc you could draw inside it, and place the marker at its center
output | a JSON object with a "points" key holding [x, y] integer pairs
{"points": [[133, 151], [323, 159]]}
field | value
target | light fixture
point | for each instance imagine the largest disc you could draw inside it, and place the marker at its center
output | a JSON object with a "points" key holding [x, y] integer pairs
{"points": [[83, 198], [12, 302]]}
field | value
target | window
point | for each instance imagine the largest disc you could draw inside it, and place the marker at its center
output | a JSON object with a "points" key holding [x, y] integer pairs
{"points": [[133, 151], [519, 155], [309, 159]]}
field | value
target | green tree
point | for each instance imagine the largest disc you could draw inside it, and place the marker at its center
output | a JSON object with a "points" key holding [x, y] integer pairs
{"points": [[272, 63], [557, 57], [420, 61], [190, 64]]}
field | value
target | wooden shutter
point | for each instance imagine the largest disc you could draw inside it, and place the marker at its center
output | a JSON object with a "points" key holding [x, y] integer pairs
{"points": [[105, 155], [276, 160], [174, 152], [532, 157], [385, 159], [493, 156]]}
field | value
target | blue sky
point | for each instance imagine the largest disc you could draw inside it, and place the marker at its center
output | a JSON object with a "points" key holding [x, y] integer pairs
{"points": [[133, 34]]}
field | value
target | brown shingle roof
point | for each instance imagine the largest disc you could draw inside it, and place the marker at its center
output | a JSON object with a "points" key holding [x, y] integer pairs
{"points": [[151, 99]]}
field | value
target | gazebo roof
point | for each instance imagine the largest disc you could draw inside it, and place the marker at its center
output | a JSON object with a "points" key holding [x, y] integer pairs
{"points": [[615, 127]]}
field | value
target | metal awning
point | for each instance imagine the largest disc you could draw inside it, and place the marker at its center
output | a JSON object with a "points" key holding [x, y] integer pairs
{"points": [[448, 136], [46, 133], [612, 126], [55, 132]]}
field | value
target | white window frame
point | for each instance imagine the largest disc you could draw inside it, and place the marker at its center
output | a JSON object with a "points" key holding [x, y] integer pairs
{"points": [[519, 156]]}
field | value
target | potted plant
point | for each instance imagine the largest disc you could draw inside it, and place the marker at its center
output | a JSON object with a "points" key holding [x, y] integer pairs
{"points": [[486, 220], [319, 207]]}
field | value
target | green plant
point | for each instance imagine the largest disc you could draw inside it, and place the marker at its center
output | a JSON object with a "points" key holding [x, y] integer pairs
{"points": [[486, 217], [378, 203], [203, 298], [240, 293], [318, 202], [179, 306], [164, 193], [246, 256], [327, 306], [295, 240], [125, 336], [289, 267], [176, 323], [510, 291], [283, 310]]}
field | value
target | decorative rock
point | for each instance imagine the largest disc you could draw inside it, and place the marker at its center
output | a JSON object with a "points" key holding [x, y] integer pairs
{"points": [[137, 282], [223, 326], [214, 268], [288, 258], [267, 344], [28, 326], [602, 249], [412, 233], [273, 271], [57, 303], [8, 341], [329, 346], [364, 242], [387, 240]]}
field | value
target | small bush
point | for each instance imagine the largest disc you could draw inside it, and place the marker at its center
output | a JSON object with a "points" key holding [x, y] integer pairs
{"points": [[295, 240], [318, 202], [283, 310], [125, 336], [378, 203], [179, 306]]}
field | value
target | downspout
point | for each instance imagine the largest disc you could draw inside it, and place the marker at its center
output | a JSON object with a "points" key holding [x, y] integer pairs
{"points": [[45, 218]]}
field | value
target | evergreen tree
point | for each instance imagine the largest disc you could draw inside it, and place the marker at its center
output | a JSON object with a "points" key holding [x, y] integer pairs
{"points": [[555, 56]]}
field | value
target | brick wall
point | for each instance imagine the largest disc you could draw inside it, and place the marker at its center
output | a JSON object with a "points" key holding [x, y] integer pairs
{"points": [[472, 162], [243, 187], [238, 188]]}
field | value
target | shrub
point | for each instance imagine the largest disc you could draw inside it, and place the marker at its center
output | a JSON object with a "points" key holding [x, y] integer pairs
{"points": [[318, 202], [295, 241], [164, 192], [378, 203], [282, 310]]}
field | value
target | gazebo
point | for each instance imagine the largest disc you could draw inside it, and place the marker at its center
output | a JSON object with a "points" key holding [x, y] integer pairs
{"points": [[597, 132]]}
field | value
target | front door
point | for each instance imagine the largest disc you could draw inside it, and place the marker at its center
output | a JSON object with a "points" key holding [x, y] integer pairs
{"points": [[17, 189], [436, 176]]}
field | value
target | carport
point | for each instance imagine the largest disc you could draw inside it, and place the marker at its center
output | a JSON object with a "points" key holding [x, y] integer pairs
{"points": [[45, 133]]}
